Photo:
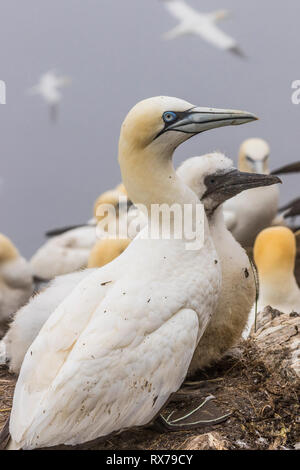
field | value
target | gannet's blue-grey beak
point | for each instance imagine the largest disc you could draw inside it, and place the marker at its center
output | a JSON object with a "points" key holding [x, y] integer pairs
{"points": [[196, 120]]}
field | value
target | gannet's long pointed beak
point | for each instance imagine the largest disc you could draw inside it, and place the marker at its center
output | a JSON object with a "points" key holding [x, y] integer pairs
{"points": [[232, 182], [198, 120]]}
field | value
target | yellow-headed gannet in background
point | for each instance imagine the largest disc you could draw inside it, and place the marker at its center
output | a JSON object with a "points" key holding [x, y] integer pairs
{"points": [[214, 179], [70, 251], [16, 283], [253, 210], [49, 89], [201, 24], [106, 251], [107, 359], [274, 256]]}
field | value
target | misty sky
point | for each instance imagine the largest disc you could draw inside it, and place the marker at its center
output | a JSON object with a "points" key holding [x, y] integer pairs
{"points": [[115, 54]]}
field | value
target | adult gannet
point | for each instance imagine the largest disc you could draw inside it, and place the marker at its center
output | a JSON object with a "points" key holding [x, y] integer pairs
{"points": [[274, 255], [16, 283], [201, 24], [70, 251], [253, 210], [214, 179], [120, 344], [49, 89]]}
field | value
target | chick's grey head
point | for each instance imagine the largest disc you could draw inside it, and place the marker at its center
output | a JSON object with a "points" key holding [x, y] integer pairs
{"points": [[214, 179]]}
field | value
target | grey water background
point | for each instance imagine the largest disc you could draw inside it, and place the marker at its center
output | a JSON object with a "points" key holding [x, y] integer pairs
{"points": [[115, 54]]}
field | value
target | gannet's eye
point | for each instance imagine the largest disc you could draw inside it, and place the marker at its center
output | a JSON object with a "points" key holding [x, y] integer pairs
{"points": [[169, 116]]}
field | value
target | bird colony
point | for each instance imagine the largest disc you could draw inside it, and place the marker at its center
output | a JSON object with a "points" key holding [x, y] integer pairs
{"points": [[100, 329]]}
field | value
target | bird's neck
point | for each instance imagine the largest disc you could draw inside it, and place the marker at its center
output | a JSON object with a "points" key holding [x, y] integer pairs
{"points": [[150, 178]]}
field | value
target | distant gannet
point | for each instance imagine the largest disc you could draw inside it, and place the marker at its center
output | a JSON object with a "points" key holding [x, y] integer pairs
{"points": [[214, 179], [70, 251], [16, 283], [120, 344], [274, 255], [253, 210], [106, 251], [201, 24], [49, 89]]}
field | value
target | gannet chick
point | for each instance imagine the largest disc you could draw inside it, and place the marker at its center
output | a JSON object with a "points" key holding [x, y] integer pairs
{"points": [[49, 89], [201, 24], [70, 251], [274, 256], [253, 210], [106, 251], [108, 359], [214, 179], [16, 283]]}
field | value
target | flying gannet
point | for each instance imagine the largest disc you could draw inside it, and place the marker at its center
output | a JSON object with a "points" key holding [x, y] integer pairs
{"points": [[201, 24], [16, 283], [48, 88], [108, 359], [253, 210]]}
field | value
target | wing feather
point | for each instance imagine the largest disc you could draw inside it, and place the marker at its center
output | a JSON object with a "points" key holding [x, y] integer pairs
{"points": [[180, 10], [115, 377]]}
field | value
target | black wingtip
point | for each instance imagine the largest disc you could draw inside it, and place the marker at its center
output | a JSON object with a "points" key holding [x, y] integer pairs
{"points": [[287, 169], [238, 52], [60, 231]]}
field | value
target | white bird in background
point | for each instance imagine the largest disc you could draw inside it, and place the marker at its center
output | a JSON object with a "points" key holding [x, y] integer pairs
{"points": [[49, 88], [16, 283], [274, 255], [201, 24], [253, 210], [106, 359]]}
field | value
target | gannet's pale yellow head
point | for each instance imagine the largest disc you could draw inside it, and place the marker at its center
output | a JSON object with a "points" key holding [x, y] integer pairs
{"points": [[167, 122], [109, 198], [8, 251], [121, 189], [275, 252], [254, 156], [214, 179], [151, 132], [105, 251]]}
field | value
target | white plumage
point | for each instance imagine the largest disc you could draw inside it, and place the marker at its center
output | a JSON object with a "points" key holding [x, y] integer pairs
{"points": [[201, 24]]}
